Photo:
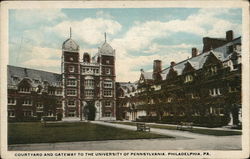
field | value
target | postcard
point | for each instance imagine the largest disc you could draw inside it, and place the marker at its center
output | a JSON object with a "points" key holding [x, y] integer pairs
{"points": [[125, 79]]}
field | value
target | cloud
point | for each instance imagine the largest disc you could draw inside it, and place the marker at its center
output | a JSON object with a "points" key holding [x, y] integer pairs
{"points": [[105, 15], [135, 48], [88, 30], [141, 36], [43, 58], [155, 47], [29, 17]]}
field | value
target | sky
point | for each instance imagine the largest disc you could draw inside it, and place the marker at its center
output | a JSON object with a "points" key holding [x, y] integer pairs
{"points": [[139, 35]]}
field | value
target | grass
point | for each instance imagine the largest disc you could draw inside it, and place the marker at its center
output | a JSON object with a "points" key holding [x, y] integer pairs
{"points": [[195, 130], [23, 133]]}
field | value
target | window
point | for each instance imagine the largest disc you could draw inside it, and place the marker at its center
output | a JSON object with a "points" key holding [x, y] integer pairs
{"points": [[71, 103], [107, 71], [27, 113], [194, 95], [11, 113], [89, 83], [50, 113], [24, 90], [213, 70], [107, 114], [214, 92], [71, 113], [36, 81], [27, 102], [15, 79], [58, 92], [232, 89], [96, 71], [89, 93], [108, 104], [107, 93], [39, 105], [71, 82], [51, 92], [71, 68], [11, 101], [188, 78], [107, 84], [71, 92], [169, 99], [107, 61]]}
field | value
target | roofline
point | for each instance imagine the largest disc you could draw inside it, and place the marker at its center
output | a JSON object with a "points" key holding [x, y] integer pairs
{"points": [[198, 55], [33, 69]]}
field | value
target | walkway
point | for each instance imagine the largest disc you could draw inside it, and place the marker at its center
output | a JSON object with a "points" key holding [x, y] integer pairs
{"points": [[183, 141]]}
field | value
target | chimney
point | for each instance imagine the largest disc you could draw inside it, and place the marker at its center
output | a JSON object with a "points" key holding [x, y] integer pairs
{"points": [[141, 70], [194, 52], [172, 63], [229, 35], [157, 66]]}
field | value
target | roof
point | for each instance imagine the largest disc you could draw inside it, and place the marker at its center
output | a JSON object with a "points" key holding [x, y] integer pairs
{"points": [[128, 86], [36, 77], [197, 62], [70, 45], [148, 75], [106, 49]]}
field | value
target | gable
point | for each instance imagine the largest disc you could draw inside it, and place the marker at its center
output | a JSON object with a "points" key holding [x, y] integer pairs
{"points": [[211, 60], [188, 68]]}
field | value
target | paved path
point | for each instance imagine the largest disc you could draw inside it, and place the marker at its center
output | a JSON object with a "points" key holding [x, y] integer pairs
{"points": [[183, 141]]}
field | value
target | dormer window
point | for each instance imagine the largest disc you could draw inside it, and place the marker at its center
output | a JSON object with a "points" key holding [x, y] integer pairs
{"points": [[188, 78], [36, 81], [15, 79]]}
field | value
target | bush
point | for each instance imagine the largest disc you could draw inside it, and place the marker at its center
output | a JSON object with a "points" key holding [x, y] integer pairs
{"points": [[24, 119], [205, 121], [47, 118], [147, 119]]}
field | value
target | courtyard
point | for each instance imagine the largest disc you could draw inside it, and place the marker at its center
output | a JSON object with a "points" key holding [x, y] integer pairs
{"points": [[98, 135]]}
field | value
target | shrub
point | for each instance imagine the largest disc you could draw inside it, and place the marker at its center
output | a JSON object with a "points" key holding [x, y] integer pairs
{"points": [[47, 118]]}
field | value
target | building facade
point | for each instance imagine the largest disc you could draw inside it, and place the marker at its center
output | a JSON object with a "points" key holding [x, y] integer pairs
{"points": [[204, 89], [85, 86], [88, 81]]}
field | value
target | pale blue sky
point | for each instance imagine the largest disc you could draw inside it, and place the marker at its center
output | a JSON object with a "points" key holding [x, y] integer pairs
{"points": [[139, 35]]}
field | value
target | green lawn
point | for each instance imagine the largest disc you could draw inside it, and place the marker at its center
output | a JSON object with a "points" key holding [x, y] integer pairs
{"points": [[195, 130], [35, 132]]}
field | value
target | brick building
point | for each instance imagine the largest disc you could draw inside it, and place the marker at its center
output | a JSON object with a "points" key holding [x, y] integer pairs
{"points": [[86, 85], [204, 89]]}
